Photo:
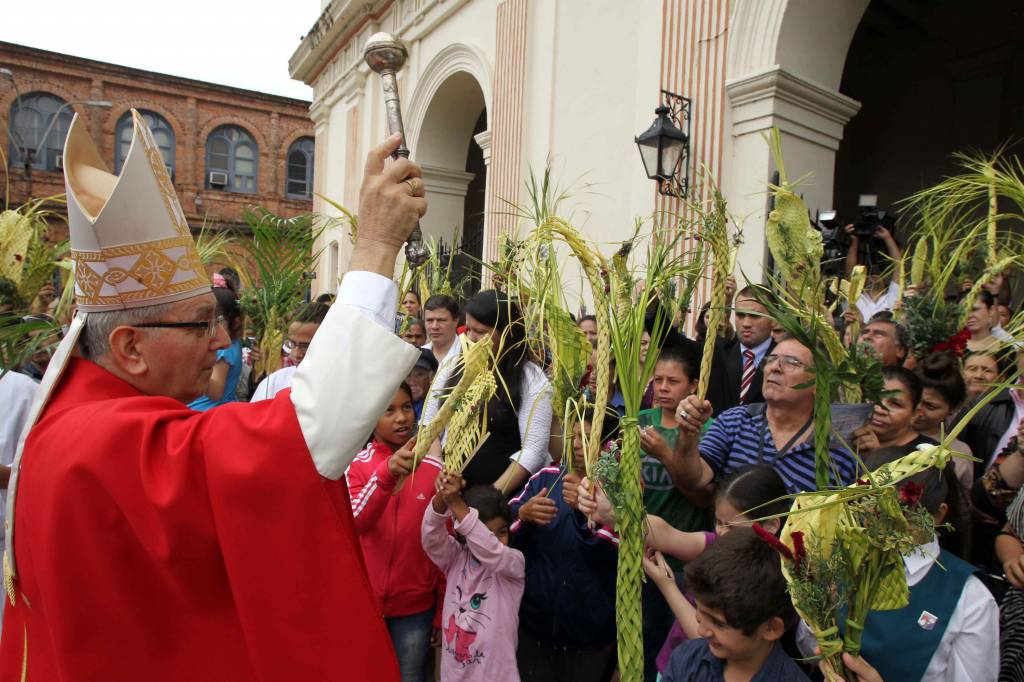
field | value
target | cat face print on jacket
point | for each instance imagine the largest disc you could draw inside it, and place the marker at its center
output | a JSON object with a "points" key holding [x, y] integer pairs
{"points": [[468, 618]]}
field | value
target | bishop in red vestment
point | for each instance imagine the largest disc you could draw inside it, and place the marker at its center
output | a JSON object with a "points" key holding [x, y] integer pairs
{"points": [[151, 542]]}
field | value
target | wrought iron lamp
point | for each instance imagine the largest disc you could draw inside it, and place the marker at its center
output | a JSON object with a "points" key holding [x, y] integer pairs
{"points": [[665, 146]]}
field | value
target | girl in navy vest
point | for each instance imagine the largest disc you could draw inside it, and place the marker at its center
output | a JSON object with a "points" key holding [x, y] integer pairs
{"points": [[950, 629]]}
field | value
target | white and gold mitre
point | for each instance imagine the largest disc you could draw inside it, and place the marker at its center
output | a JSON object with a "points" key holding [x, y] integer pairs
{"points": [[129, 239]]}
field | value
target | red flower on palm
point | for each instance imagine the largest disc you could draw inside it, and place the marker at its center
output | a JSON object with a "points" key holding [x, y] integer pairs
{"points": [[774, 542], [910, 493]]}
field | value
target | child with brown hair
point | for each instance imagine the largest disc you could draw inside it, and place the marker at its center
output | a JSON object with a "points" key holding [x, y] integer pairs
{"points": [[742, 611]]}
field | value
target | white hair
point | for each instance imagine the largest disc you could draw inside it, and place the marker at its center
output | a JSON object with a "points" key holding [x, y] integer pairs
{"points": [[95, 339]]}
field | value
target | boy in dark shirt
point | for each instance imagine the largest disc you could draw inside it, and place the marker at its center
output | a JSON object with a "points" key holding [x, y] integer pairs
{"points": [[742, 611]]}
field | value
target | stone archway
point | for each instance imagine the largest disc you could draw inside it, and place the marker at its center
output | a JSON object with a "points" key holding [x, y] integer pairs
{"points": [[785, 63], [447, 142]]}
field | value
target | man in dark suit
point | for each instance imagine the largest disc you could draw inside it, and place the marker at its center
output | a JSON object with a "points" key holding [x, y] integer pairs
{"points": [[736, 368]]}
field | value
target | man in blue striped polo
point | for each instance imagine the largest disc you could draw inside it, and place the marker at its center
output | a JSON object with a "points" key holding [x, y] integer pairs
{"points": [[778, 432]]}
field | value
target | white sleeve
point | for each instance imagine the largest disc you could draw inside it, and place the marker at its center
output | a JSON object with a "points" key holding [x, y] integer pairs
{"points": [[262, 391], [350, 373], [969, 650], [534, 420], [17, 392], [806, 642]]}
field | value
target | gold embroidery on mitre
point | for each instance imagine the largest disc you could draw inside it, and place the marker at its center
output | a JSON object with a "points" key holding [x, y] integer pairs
{"points": [[109, 252], [163, 179], [144, 294], [115, 276], [88, 282], [154, 270]]}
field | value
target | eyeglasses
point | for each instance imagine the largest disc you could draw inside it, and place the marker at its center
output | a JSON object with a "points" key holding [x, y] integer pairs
{"points": [[291, 345], [210, 326], [788, 363]]}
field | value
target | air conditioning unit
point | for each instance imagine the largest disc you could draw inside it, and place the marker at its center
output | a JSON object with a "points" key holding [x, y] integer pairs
{"points": [[218, 179]]}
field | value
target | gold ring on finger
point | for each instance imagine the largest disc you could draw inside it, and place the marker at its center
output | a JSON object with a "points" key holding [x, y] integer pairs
{"points": [[415, 186]]}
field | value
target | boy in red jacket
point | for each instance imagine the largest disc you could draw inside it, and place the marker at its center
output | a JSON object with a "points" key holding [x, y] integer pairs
{"points": [[404, 580]]}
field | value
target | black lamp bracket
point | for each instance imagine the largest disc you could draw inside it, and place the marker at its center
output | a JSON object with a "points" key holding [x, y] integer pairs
{"points": [[680, 111]]}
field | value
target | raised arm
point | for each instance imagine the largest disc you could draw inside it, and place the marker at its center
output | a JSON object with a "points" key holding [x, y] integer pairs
{"points": [[892, 249], [661, 536], [691, 473], [355, 361], [487, 549]]}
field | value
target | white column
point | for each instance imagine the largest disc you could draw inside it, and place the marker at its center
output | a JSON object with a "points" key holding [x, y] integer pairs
{"points": [[811, 118], [483, 140]]}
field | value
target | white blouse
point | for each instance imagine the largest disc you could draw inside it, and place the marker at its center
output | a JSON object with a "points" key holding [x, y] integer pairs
{"points": [[533, 413]]}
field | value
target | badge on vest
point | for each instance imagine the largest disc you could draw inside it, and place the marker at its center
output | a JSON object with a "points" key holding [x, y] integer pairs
{"points": [[927, 621]]}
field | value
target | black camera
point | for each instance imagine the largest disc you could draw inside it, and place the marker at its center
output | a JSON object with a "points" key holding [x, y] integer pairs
{"points": [[833, 255], [872, 219]]}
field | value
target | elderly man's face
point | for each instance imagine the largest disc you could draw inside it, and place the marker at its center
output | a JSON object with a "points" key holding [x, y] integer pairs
{"points": [[785, 368], [882, 337], [178, 362]]}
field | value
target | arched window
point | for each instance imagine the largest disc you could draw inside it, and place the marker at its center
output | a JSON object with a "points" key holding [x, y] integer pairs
{"points": [[300, 169], [34, 116], [231, 160], [162, 133]]}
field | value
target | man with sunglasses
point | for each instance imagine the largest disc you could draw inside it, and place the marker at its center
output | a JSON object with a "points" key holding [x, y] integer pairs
{"points": [[147, 541], [778, 432]]}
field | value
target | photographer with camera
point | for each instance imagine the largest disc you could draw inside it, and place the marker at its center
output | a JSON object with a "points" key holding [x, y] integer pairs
{"points": [[880, 292]]}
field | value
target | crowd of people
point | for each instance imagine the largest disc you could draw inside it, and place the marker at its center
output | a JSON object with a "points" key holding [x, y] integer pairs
{"points": [[530, 547], [530, 560], [507, 569]]}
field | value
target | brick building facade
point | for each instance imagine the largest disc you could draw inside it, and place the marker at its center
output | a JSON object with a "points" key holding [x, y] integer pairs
{"points": [[207, 128]]}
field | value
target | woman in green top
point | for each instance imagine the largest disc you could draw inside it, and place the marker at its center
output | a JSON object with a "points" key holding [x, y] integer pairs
{"points": [[675, 377]]}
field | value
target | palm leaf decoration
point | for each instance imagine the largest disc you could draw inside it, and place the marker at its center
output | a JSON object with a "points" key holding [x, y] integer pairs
{"points": [[713, 220], [345, 217], [274, 262], [22, 337], [961, 234], [623, 291], [213, 245], [26, 258], [969, 236], [794, 244]]}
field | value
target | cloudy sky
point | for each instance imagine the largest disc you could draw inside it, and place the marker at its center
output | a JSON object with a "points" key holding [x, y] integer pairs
{"points": [[244, 44]]}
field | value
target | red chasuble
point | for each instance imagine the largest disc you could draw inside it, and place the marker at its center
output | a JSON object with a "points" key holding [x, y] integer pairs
{"points": [[157, 543]]}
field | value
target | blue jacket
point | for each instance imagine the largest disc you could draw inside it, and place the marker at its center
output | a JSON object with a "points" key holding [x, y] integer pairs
{"points": [[569, 599]]}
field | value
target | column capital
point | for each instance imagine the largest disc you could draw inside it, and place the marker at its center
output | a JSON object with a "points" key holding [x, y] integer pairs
{"points": [[483, 140], [796, 105], [440, 180]]}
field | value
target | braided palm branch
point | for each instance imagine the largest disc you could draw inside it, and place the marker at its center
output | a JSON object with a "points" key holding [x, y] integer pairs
{"points": [[661, 269], [714, 231], [476, 359], [595, 268]]}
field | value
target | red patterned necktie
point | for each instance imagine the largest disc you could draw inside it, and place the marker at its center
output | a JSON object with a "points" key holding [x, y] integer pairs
{"points": [[748, 374]]}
